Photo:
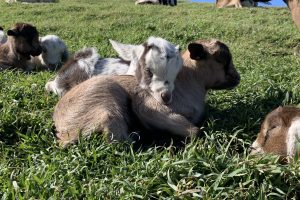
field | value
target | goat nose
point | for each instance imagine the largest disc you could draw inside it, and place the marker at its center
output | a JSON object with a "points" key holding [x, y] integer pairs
{"points": [[166, 97]]}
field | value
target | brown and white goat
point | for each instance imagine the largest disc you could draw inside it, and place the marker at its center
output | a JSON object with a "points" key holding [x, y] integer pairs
{"points": [[22, 43], [279, 133], [106, 103]]}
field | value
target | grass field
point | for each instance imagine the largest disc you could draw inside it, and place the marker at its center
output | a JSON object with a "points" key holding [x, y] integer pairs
{"points": [[216, 166]]}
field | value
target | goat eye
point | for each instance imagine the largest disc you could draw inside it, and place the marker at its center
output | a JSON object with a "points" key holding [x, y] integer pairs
{"points": [[268, 131], [272, 127]]}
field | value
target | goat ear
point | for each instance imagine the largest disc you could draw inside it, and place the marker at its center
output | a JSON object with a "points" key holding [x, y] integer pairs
{"points": [[12, 33], [1, 29], [279, 108], [197, 51], [124, 50]]}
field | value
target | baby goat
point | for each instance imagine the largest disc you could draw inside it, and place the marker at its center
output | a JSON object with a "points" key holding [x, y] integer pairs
{"points": [[54, 53], [157, 56], [81, 66], [106, 103], [22, 43], [279, 133]]}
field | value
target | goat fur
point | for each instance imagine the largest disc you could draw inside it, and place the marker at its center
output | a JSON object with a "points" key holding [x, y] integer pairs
{"points": [[16, 52], [104, 103]]}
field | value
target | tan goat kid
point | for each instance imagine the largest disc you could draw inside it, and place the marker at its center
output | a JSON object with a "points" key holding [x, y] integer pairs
{"points": [[279, 132], [106, 103]]}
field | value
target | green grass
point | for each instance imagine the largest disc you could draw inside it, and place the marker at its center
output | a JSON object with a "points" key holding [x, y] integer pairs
{"points": [[215, 166]]}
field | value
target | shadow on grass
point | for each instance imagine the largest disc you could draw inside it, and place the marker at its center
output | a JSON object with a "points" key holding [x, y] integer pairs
{"points": [[241, 115], [245, 115]]}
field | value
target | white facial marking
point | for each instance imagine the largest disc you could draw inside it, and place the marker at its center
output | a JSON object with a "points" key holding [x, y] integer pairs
{"points": [[292, 134], [256, 148], [164, 61]]}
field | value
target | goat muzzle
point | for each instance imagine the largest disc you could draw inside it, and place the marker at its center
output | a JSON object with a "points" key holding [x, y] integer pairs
{"points": [[166, 97], [37, 51]]}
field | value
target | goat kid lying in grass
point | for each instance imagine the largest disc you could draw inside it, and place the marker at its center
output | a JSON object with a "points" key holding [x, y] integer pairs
{"points": [[81, 66], [54, 52], [109, 104], [279, 133], [87, 63], [22, 43]]}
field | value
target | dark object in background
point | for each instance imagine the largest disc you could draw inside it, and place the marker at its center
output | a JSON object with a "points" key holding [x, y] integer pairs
{"points": [[168, 2]]}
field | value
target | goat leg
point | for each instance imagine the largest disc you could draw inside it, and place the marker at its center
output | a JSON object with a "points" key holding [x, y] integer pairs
{"points": [[151, 113]]}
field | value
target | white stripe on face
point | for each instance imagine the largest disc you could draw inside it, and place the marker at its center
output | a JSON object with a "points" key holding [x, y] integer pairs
{"points": [[164, 63]]}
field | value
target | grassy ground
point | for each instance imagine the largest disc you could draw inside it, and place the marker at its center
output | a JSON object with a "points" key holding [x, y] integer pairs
{"points": [[214, 167]]}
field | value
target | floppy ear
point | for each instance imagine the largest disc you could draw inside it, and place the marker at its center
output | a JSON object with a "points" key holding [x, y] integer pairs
{"points": [[124, 50], [12, 33], [197, 51], [136, 54], [1, 29]]}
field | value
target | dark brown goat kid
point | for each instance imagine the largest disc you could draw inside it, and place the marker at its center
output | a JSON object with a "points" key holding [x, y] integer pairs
{"points": [[22, 43]]}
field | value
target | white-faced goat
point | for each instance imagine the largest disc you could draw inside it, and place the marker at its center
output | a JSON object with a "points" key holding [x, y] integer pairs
{"points": [[279, 133], [54, 53], [157, 56], [22, 43], [106, 103]]}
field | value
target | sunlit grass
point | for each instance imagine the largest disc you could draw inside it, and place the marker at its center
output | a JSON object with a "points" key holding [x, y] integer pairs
{"points": [[216, 166]]}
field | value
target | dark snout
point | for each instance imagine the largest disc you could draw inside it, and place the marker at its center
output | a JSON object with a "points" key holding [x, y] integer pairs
{"points": [[233, 81], [230, 82], [37, 51], [166, 97]]}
